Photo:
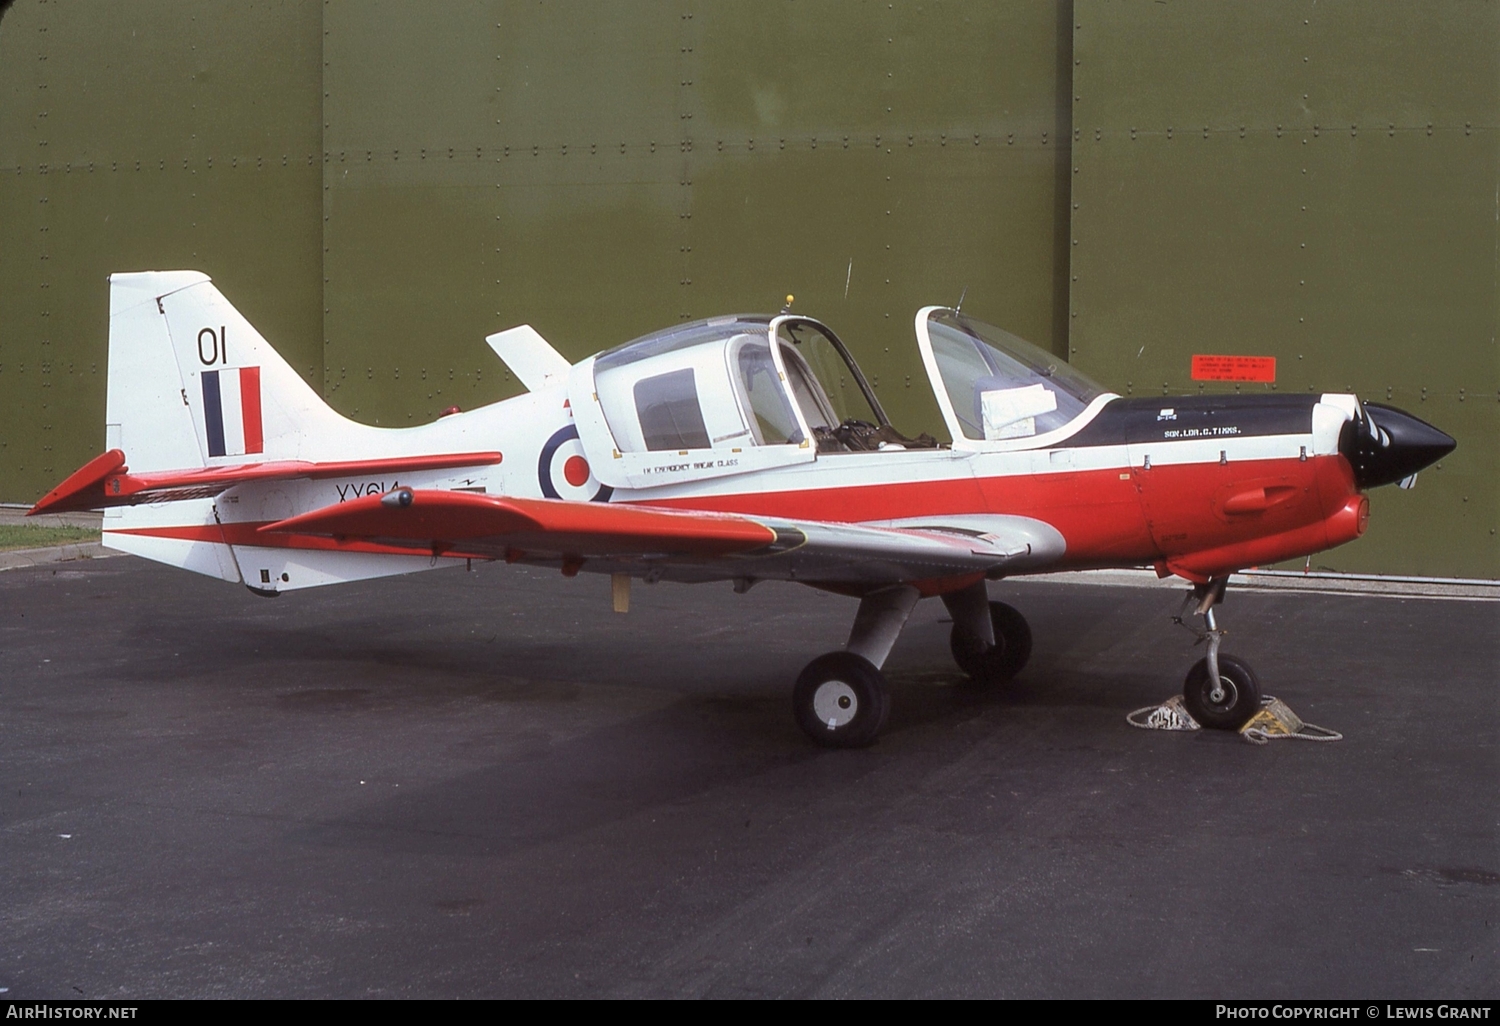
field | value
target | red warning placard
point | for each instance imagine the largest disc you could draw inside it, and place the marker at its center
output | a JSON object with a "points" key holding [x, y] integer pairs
{"points": [[1234, 368]]}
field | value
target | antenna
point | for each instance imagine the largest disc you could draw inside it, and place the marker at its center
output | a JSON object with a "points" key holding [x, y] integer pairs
{"points": [[960, 305], [788, 307]]}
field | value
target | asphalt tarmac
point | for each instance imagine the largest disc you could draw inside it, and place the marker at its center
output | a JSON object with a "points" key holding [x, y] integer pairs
{"points": [[487, 784]]}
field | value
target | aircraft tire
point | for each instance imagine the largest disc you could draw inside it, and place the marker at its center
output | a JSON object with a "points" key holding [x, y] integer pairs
{"points": [[1241, 694], [841, 701], [1008, 657]]}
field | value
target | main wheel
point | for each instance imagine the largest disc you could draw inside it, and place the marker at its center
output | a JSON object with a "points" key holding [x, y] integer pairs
{"points": [[841, 700], [1011, 650], [1239, 698]]}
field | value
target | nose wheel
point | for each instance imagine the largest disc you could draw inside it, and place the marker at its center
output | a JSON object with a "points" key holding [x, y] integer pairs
{"points": [[1221, 691], [1227, 703]]}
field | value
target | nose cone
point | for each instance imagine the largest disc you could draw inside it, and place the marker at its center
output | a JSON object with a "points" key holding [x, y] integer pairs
{"points": [[1390, 444]]}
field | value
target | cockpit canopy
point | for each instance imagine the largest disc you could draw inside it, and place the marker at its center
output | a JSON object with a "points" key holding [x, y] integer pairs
{"points": [[995, 387], [721, 396], [750, 392], [710, 384]]}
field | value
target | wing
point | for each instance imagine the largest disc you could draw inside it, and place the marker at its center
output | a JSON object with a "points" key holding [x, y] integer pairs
{"points": [[682, 545], [106, 480]]}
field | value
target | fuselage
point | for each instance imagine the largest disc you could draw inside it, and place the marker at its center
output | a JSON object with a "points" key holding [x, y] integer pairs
{"points": [[1197, 485], [758, 415]]}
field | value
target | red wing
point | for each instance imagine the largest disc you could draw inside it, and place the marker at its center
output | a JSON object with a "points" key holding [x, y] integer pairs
{"points": [[444, 520], [106, 480]]}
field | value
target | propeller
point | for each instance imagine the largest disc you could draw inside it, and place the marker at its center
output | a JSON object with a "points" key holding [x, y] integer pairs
{"points": [[1385, 445]]}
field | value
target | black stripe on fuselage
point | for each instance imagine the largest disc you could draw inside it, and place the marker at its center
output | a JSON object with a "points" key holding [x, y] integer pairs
{"points": [[1177, 418]]}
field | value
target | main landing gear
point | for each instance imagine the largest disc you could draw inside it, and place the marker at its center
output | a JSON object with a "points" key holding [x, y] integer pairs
{"points": [[1221, 691], [841, 699]]}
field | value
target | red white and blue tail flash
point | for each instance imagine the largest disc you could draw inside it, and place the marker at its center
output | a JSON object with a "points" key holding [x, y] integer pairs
{"points": [[231, 411]]}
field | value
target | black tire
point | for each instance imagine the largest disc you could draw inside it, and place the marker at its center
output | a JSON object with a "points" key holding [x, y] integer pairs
{"points": [[1241, 693], [1008, 656], [841, 701]]}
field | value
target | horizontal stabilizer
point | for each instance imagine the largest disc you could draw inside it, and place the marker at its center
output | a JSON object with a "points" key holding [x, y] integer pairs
{"points": [[106, 481], [84, 488], [444, 520]]}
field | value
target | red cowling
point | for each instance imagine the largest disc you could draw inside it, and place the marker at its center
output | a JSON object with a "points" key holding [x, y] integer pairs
{"points": [[1347, 524]]}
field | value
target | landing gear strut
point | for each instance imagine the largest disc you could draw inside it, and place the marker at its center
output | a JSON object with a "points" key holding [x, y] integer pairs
{"points": [[1221, 691], [841, 699], [990, 640]]}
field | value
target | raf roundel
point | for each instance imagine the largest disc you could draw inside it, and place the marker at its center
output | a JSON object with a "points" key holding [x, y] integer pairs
{"points": [[563, 470]]}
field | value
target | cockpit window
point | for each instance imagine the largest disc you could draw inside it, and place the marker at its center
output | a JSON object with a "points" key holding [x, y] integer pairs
{"points": [[669, 413], [1002, 386], [683, 336], [764, 399], [808, 391], [706, 385]]}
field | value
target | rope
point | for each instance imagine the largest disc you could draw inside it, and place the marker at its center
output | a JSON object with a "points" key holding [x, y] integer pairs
{"points": [[1171, 715]]}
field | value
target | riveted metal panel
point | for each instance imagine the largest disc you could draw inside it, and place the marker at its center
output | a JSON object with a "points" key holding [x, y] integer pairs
{"points": [[886, 157], [480, 173], [148, 135], [679, 160], [1292, 179], [1311, 183], [21, 442]]}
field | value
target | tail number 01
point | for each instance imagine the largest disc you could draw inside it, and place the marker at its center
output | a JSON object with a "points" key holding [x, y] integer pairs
{"points": [[213, 347]]}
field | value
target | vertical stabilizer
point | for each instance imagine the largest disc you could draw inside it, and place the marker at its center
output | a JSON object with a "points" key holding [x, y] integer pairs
{"points": [[246, 402], [146, 408]]}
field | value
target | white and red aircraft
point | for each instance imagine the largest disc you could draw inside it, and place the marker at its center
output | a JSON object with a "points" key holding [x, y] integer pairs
{"points": [[742, 448]]}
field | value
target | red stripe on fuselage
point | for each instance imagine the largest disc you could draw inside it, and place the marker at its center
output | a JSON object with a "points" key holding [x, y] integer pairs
{"points": [[1098, 513], [1113, 517], [1108, 517]]}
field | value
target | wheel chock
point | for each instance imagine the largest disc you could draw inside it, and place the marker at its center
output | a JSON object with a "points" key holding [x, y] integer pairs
{"points": [[1170, 715], [1273, 720]]}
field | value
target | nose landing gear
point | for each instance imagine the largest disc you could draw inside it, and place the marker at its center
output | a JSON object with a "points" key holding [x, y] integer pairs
{"points": [[1221, 691]]}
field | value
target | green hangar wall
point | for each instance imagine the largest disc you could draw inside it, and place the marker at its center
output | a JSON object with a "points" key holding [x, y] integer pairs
{"points": [[377, 185]]}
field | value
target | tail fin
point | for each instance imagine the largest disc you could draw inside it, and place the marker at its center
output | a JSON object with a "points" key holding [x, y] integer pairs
{"points": [[193, 384]]}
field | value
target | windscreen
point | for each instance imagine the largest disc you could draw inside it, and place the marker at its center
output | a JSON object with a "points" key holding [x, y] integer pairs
{"points": [[1002, 386]]}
